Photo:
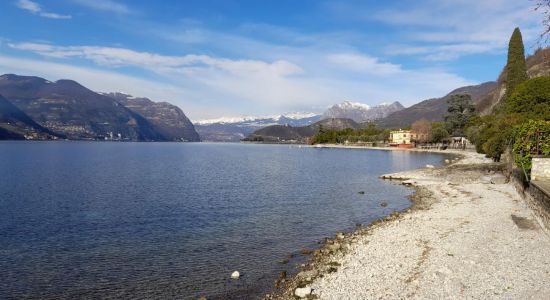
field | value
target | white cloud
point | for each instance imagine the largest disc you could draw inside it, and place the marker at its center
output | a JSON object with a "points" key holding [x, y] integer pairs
{"points": [[29, 5], [448, 30], [104, 5], [443, 52], [363, 63], [116, 57], [36, 9]]}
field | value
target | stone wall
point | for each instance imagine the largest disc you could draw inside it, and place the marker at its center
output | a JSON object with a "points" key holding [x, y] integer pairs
{"points": [[539, 202], [541, 168], [534, 196]]}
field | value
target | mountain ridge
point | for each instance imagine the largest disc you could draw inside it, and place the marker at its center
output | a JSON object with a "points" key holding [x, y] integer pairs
{"points": [[360, 112], [67, 108], [169, 120], [433, 109]]}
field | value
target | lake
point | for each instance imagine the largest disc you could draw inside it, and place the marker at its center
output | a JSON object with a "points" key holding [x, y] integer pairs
{"points": [[173, 220]]}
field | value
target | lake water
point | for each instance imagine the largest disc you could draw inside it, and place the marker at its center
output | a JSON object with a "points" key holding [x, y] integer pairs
{"points": [[172, 220]]}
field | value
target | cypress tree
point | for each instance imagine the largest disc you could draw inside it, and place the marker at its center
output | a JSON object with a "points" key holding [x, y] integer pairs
{"points": [[516, 68]]}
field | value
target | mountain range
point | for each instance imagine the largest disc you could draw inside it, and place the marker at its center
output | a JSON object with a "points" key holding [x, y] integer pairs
{"points": [[360, 112], [431, 110], [235, 129], [69, 110]]}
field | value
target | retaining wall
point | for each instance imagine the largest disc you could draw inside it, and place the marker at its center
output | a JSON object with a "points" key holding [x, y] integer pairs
{"points": [[536, 197]]}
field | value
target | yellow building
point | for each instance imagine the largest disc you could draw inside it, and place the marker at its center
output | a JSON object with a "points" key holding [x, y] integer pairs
{"points": [[399, 137], [407, 137]]}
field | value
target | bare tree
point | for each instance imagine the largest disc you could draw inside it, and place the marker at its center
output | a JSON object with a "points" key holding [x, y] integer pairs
{"points": [[422, 130], [543, 6]]}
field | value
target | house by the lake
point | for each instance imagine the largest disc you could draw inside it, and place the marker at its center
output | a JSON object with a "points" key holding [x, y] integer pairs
{"points": [[406, 138], [401, 138]]}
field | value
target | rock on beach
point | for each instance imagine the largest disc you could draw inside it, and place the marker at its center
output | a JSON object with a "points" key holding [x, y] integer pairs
{"points": [[302, 292]]}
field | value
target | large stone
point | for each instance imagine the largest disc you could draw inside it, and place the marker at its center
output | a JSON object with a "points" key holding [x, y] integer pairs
{"points": [[498, 179], [302, 292]]}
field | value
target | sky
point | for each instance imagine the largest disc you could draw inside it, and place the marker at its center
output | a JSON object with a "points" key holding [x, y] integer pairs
{"points": [[233, 58]]}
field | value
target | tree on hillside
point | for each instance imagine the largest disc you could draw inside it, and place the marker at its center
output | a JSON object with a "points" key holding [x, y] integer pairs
{"points": [[460, 111], [422, 129], [516, 67]]}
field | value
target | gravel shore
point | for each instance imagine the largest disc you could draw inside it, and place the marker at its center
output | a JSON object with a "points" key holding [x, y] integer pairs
{"points": [[469, 236]]}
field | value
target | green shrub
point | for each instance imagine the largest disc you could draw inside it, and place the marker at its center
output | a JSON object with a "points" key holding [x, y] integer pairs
{"points": [[531, 99], [531, 137]]}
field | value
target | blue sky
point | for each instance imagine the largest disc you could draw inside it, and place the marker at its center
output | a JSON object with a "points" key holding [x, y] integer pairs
{"points": [[231, 58]]}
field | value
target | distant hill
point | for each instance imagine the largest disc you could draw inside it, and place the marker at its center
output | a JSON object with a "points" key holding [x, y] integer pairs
{"points": [[69, 109], [167, 119], [433, 109], [286, 133], [235, 129], [15, 124], [361, 112], [538, 64], [225, 132]]}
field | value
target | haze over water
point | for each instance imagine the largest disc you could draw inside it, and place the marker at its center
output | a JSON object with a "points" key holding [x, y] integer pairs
{"points": [[169, 220]]}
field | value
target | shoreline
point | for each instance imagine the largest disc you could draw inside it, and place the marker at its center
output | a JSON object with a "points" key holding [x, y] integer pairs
{"points": [[341, 146], [402, 255]]}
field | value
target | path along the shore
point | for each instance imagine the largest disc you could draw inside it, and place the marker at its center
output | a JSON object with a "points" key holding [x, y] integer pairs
{"points": [[468, 238]]}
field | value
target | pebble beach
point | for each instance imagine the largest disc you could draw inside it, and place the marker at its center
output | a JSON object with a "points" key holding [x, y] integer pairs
{"points": [[469, 234]]}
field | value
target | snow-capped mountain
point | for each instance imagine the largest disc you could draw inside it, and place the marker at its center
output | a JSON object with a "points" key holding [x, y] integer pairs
{"points": [[275, 119], [360, 112], [233, 129]]}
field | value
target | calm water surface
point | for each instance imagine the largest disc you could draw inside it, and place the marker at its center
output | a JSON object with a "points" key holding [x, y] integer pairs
{"points": [[169, 220]]}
